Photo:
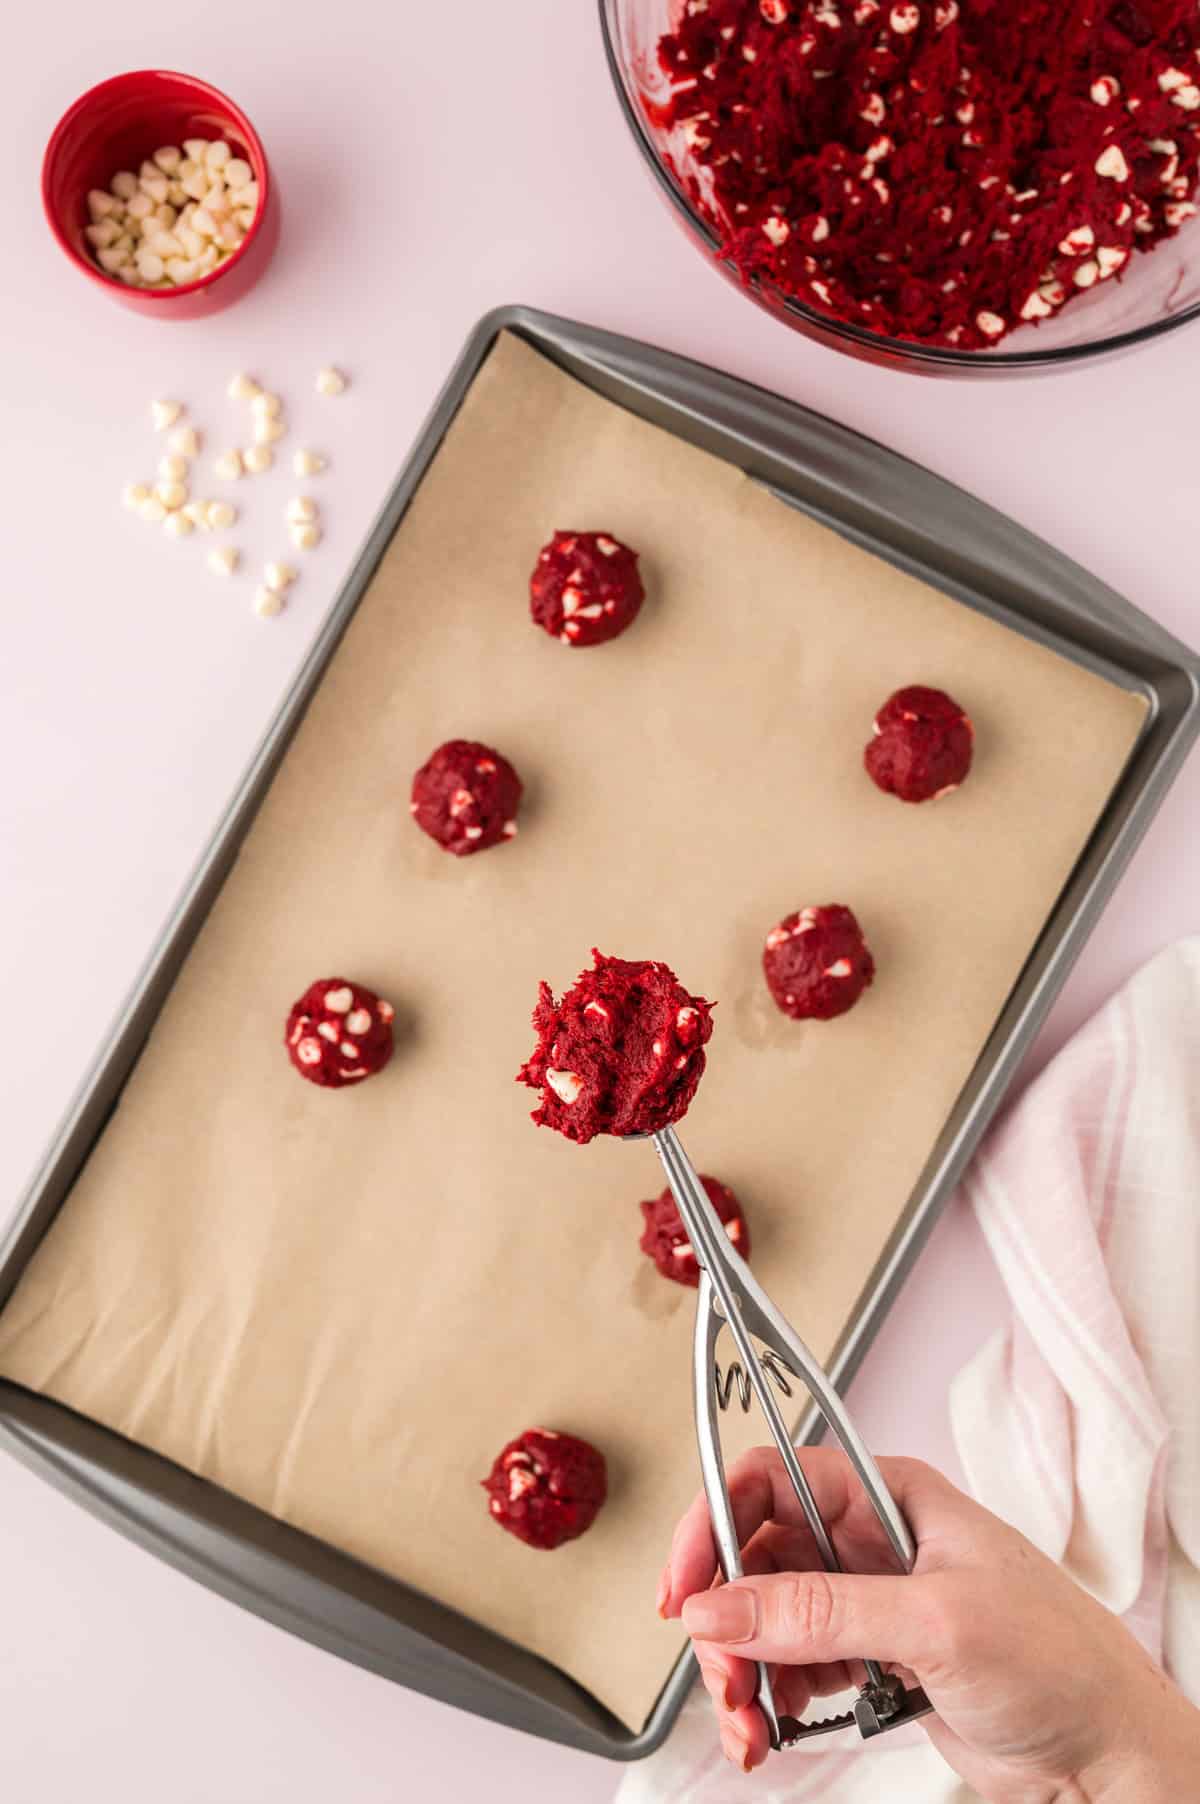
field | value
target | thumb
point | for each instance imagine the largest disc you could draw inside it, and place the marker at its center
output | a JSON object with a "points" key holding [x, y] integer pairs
{"points": [[800, 1618]]}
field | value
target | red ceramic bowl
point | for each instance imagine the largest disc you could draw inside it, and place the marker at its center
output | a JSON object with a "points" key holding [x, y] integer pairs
{"points": [[116, 126]]}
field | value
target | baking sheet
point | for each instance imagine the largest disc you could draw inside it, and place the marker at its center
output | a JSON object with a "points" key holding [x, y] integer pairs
{"points": [[339, 1306]]}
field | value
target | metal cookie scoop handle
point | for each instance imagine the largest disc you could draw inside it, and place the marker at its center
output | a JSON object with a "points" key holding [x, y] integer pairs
{"points": [[731, 1297]]}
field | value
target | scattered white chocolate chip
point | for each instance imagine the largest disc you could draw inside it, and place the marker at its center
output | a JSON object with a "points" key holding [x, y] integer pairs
{"points": [[904, 19], [267, 602], [267, 406], [228, 466], [1037, 306], [171, 494], [172, 469], [1105, 88], [267, 430], [184, 441], [164, 414], [258, 458], [177, 524], [223, 559], [1087, 274], [1110, 258], [990, 324], [301, 508], [219, 514], [153, 510], [359, 1021], [307, 463], [1080, 238], [279, 577], [776, 229], [330, 381], [242, 387], [306, 537], [134, 494], [566, 1085]]}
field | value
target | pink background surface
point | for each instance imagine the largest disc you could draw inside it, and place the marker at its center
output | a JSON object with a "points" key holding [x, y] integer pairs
{"points": [[433, 162]]}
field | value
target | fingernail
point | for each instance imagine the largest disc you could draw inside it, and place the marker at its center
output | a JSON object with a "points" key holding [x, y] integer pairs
{"points": [[726, 1615], [663, 1594]]}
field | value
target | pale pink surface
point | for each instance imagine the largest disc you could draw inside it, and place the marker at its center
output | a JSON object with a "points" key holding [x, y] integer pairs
{"points": [[432, 163]]}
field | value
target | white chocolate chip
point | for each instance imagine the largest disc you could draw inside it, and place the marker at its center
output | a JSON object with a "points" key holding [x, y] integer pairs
{"points": [[307, 463], [359, 1022], [840, 968], [776, 229], [228, 466], [279, 577], [153, 510], [267, 430], [267, 406], [184, 441], [171, 494], [509, 829], [258, 458], [1087, 274], [100, 205], [386, 1011], [1081, 238], [1176, 212], [223, 560], [1111, 164], [1037, 306], [177, 524], [566, 1085], [164, 414], [308, 1051], [348, 1049], [904, 19], [330, 381], [595, 1008], [306, 537], [134, 494], [267, 602], [220, 514], [1110, 258], [217, 155], [301, 508], [340, 1000], [242, 387], [172, 469], [990, 324], [1105, 88]]}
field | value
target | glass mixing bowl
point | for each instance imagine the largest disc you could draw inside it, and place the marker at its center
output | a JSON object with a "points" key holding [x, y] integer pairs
{"points": [[1157, 292]]}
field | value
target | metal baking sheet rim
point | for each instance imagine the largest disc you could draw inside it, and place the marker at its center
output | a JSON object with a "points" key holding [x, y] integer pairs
{"points": [[892, 507]]}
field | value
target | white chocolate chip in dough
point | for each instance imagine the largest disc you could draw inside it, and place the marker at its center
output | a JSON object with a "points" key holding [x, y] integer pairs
{"points": [[339, 1001], [1111, 164], [223, 560], [686, 1016], [990, 324], [164, 414], [509, 830], [840, 968], [309, 1052], [386, 1011], [330, 381], [904, 19], [566, 1085], [359, 1022]]}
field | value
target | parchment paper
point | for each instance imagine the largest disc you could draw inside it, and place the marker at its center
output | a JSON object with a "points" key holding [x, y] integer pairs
{"points": [[340, 1305]]}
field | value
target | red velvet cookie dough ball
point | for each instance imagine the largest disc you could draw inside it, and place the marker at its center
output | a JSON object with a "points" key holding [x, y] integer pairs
{"points": [[339, 1033], [817, 963], [466, 797], [622, 1053], [546, 1488], [664, 1238], [585, 588], [922, 745]]}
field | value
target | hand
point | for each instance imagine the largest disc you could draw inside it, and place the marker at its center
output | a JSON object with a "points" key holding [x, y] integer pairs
{"points": [[1042, 1696]]}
